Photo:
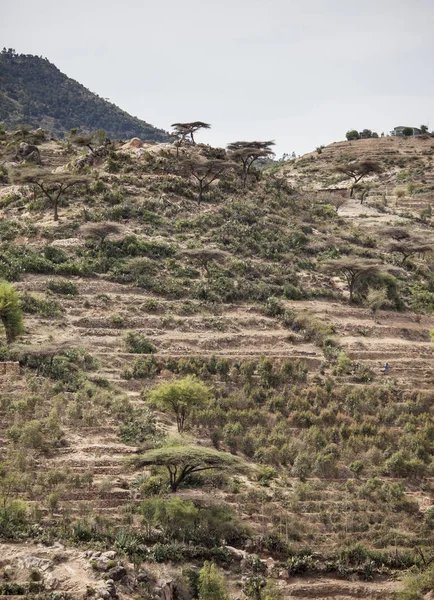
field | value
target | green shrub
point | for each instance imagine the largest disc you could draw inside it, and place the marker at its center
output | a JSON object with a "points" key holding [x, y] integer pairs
{"points": [[45, 307], [63, 287], [11, 316], [137, 343]]}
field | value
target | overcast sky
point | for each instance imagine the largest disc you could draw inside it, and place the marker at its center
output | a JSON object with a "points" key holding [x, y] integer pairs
{"points": [[301, 72]]}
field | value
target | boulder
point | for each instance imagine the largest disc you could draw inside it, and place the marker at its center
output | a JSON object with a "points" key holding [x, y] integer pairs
{"points": [[117, 573], [109, 555], [134, 143], [28, 153], [237, 554], [167, 589]]}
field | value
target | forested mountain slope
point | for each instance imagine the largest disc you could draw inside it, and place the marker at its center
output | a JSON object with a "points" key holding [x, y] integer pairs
{"points": [[34, 92]]}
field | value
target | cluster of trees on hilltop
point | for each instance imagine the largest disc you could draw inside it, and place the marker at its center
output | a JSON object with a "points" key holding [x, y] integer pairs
{"points": [[353, 134], [35, 92]]}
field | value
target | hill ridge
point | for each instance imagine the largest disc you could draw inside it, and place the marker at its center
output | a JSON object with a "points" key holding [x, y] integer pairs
{"points": [[35, 92]]}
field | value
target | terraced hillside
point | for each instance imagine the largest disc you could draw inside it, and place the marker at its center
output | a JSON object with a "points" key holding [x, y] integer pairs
{"points": [[138, 285], [407, 164]]}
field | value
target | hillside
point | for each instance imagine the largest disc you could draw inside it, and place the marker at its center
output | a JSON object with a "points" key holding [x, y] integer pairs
{"points": [[146, 278], [407, 162], [34, 92]]}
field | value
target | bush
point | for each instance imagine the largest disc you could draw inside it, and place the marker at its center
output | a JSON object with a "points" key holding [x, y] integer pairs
{"points": [[137, 343], [138, 427], [10, 312], [63, 287], [211, 584], [40, 306]]}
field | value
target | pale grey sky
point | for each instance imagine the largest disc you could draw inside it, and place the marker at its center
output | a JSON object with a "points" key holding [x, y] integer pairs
{"points": [[301, 72]]}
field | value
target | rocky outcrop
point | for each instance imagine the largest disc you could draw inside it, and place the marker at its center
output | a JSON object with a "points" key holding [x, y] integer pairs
{"points": [[28, 153]]}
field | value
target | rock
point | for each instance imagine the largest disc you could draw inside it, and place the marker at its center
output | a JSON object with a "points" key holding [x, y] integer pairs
{"points": [[108, 590], [238, 554], [109, 555], [134, 143], [50, 582], [142, 577], [117, 573], [167, 590], [28, 153]]}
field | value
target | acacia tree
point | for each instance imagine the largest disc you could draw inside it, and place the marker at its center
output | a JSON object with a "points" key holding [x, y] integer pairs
{"points": [[353, 270], [337, 201], [205, 172], [407, 247], [89, 140], [52, 185], [182, 461], [247, 153], [100, 231], [182, 130], [356, 170], [11, 315], [205, 257], [180, 397]]}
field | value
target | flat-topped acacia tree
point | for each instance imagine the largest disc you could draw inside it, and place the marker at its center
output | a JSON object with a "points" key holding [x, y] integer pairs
{"points": [[52, 185], [358, 169], [353, 270], [205, 172], [247, 153], [183, 130], [182, 461], [100, 231]]}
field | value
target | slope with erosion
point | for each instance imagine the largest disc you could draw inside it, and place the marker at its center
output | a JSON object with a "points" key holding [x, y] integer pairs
{"points": [[232, 291]]}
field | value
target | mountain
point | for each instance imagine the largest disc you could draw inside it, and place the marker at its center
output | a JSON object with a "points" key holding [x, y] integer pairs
{"points": [[34, 92]]}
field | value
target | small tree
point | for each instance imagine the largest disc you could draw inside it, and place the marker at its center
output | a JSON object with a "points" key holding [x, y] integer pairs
{"points": [[352, 135], [375, 299], [408, 247], [182, 130], [11, 316], [182, 461], [247, 153], [424, 128], [211, 583], [356, 170], [337, 201], [205, 172], [353, 270], [89, 140], [407, 131], [205, 257], [180, 397], [52, 185], [100, 231]]}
